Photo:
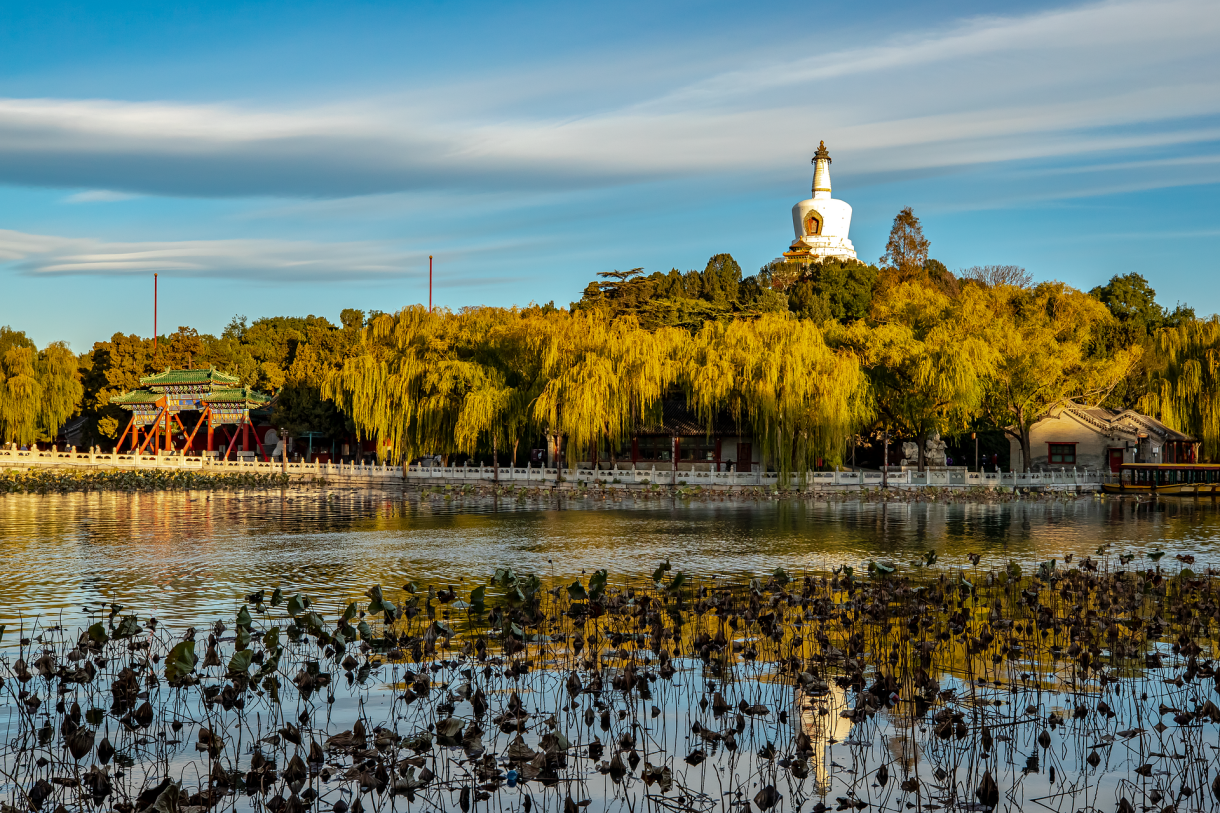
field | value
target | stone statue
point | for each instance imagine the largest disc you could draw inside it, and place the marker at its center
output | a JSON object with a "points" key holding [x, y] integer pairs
{"points": [[910, 453], [934, 450]]}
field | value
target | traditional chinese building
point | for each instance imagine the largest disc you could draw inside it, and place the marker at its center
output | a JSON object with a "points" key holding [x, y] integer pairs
{"points": [[170, 401], [821, 222], [1076, 436]]}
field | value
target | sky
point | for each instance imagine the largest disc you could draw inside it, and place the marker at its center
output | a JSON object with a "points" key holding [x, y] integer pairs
{"points": [[301, 158]]}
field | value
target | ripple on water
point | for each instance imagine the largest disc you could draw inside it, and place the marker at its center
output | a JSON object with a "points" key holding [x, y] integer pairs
{"points": [[186, 557]]}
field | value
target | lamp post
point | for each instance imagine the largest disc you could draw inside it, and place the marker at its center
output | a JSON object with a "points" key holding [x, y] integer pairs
{"points": [[885, 462]]}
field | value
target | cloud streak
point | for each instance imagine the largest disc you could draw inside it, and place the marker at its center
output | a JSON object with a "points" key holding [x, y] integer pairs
{"points": [[271, 260], [1101, 77]]}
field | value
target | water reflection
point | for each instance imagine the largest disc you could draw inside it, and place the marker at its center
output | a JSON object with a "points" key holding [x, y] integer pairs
{"points": [[186, 557]]}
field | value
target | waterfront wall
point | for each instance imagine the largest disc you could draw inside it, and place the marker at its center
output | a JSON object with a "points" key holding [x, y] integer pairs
{"points": [[532, 476]]}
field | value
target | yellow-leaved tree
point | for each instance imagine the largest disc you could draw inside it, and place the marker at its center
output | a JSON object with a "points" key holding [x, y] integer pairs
{"points": [[1185, 385], [409, 383], [39, 391], [603, 376], [1042, 338], [776, 374], [927, 357]]}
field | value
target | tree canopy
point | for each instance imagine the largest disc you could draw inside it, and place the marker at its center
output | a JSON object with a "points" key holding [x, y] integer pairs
{"points": [[39, 390], [801, 355]]}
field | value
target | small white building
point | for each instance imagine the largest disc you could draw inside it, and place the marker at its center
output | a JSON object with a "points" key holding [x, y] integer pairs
{"points": [[1075, 436], [821, 223]]}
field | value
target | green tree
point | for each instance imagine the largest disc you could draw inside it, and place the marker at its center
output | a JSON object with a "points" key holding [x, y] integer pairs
{"points": [[1137, 318], [907, 249], [777, 375], [675, 299], [833, 289]]}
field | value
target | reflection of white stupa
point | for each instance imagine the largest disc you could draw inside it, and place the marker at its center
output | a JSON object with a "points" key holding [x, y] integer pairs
{"points": [[821, 223], [822, 722]]}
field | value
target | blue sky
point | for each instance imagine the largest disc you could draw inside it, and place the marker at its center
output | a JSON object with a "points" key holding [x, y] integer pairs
{"points": [[298, 158]]}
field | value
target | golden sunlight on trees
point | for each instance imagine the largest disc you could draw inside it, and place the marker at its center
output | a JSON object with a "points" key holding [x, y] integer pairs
{"points": [[928, 358], [451, 382], [603, 377], [39, 391], [800, 398], [1185, 386], [1042, 339], [907, 248], [804, 357]]}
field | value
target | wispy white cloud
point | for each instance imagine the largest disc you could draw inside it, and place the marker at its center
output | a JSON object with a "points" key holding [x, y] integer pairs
{"points": [[1061, 83], [98, 196], [249, 260]]}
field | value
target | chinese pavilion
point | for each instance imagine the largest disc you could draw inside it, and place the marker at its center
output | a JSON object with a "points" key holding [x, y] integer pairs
{"points": [[216, 398]]}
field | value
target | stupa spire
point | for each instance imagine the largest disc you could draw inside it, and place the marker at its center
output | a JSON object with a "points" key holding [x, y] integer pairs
{"points": [[821, 172]]}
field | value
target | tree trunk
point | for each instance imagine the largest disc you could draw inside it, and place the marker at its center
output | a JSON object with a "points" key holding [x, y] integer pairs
{"points": [[1026, 459], [495, 463], [515, 444], [921, 440]]}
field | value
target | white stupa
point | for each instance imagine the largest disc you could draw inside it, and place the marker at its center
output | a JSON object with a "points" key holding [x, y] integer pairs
{"points": [[821, 223]]}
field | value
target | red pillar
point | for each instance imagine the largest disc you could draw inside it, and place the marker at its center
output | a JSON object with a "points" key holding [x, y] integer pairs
{"points": [[135, 437], [245, 435], [211, 445]]}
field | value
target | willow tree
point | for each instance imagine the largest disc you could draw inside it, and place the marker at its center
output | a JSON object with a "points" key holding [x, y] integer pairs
{"points": [[603, 376], [406, 385], [927, 357], [800, 398], [20, 395], [1185, 391], [1042, 339], [496, 413], [39, 391], [441, 382]]}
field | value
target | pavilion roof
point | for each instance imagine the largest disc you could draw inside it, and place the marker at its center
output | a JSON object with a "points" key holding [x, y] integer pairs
{"points": [[236, 395], [677, 419], [137, 397], [210, 377]]}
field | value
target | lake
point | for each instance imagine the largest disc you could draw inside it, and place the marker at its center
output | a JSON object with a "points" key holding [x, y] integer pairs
{"points": [[791, 694], [185, 557]]}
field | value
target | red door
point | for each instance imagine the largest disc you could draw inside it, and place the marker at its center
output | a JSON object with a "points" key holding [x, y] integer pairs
{"points": [[745, 457], [1116, 459]]}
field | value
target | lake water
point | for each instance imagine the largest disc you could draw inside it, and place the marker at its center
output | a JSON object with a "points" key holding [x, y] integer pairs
{"points": [[188, 557]]}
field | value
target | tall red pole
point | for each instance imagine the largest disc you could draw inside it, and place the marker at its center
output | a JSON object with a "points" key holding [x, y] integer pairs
{"points": [[154, 313], [429, 283]]}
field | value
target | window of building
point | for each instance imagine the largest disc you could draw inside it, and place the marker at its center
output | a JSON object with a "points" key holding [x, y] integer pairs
{"points": [[654, 447], [1062, 454], [697, 449]]}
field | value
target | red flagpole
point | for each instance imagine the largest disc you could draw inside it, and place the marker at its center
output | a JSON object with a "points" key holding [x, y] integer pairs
{"points": [[154, 313], [429, 283]]}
